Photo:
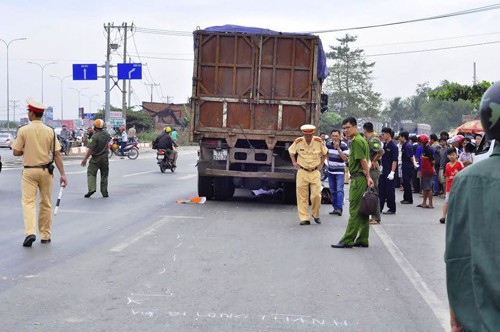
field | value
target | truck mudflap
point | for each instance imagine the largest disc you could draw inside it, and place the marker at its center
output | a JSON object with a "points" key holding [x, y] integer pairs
{"points": [[288, 177]]}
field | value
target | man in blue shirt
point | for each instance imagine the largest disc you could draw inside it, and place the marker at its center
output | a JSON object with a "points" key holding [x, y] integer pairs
{"points": [[407, 166], [386, 185], [338, 154]]}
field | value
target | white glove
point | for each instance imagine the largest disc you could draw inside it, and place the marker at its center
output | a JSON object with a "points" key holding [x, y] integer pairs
{"points": [[390, 176], [416, 164]]}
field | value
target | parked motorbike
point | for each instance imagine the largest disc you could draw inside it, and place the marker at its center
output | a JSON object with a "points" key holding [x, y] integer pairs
{"points": [[164, 161], [131, 150], [324, 171]]}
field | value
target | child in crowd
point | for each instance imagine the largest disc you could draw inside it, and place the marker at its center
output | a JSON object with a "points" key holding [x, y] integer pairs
{"points": [[452, 169], [466, 156]]}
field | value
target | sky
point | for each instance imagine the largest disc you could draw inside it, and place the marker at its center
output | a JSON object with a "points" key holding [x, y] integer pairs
{"points": [[72, 32]]}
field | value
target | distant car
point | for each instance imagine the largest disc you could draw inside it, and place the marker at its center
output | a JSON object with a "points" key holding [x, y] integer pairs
{"points": [[6, 140], [484, 150]]}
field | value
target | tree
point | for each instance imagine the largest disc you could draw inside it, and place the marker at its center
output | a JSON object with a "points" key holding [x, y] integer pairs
{"points": [[141, 120], [349, 85], [395, 111], [329, 121], [445, 114], [455, 91]]}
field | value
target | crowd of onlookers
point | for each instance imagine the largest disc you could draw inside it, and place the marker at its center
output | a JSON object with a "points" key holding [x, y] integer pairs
{"points": [[415, 164]]}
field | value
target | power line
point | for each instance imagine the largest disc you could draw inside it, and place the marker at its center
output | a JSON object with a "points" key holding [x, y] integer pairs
{"points": [[165, 32], [463, 12], [431, 40], [434, 49]]}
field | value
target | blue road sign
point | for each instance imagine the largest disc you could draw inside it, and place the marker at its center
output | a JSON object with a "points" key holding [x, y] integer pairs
{"points": [[130, 71], [84, 72]]}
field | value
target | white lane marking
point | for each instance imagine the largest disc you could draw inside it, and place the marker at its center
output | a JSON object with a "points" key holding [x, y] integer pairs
{"points": [[439, 307], [187, 177], [80, 172], [148, 231], [140, 173]]}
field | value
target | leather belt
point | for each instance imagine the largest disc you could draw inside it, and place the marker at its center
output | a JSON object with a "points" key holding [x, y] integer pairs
{"points": [[39, 166], [308, 170]]}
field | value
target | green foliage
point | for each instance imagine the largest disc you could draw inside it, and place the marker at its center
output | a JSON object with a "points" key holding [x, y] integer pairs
{"points": [[349, 85], [329, 121], [395, 111], [445, 114], [455, 91], [146, 136], [140, 119], [186, 119]]}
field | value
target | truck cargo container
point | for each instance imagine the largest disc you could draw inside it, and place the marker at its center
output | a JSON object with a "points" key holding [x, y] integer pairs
{"points": [[252, 91]]}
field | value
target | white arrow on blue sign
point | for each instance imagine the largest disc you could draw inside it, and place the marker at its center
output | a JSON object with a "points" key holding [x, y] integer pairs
{"points": [[129, 71], [84, 72]]}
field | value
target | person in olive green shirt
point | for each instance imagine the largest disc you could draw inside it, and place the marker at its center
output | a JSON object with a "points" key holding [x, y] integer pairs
{"points": [[98, 148], [376, 152], [472, 253], [358, 229]]}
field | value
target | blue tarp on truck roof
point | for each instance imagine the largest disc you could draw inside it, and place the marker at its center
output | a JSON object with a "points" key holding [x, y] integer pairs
{"points": [[322, 67]]}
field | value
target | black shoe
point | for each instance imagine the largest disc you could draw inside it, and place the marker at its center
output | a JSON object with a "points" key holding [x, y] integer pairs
{"points": [[389, 212], [341, 245], [105, 195], [406, 202], [360, 245], [305, 222], [46, 241], [28, 241], [333, 212], [338, 211], [317, 220], [90, 193]]}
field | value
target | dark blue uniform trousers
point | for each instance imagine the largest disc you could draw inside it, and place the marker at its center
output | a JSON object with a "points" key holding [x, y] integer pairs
{"points": [[407, 176], [387, 193]]}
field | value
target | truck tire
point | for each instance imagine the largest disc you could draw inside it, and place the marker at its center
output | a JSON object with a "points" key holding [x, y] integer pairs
{"points": [[205, 186], [223, 188], [289, 193]]}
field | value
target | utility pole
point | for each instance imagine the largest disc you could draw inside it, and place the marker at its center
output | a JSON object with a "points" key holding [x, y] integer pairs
{"points": [[152, 85], [15, 103], [106, 74], [474, 81], [124, 89]]}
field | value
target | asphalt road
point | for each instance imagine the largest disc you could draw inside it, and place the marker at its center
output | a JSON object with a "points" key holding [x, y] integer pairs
{"points": [[138, 261]]}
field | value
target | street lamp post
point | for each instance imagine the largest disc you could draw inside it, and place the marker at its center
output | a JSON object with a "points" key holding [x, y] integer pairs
{"points": [[42, 67], [61, 79], [90, 101], [8, 108]]}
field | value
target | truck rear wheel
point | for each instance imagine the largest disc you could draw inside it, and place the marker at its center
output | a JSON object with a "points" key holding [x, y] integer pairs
{"points": [[223, 188], [205, 186]]}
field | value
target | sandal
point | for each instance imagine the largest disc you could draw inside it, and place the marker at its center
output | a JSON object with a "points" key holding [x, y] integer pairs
{"points": [[430, 206], [420, 205], [426, 207]]}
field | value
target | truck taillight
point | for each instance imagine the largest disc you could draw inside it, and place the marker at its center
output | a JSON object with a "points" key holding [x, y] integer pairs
{"points": [[211, 144]]}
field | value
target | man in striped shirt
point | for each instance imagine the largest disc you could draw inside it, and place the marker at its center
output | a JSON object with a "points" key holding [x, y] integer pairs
{"points": [[338, 154]]}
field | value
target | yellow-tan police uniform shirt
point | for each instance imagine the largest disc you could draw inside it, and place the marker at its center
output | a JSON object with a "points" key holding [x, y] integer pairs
{"points": [[309, 155], [36, 140]]}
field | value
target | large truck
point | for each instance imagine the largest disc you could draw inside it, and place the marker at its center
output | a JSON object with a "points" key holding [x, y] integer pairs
{"points": [[252, 91]]}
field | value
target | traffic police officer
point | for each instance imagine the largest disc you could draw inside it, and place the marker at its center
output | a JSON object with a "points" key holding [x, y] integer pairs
{"points": [[39, 147], [358, 229], [98, 148], [473, 234], [311, 154]]}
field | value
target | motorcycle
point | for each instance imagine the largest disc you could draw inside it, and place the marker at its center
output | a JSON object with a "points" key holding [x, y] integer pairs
{"points": [[324, 171], [164, 161], [131, 150], [63, 145]]}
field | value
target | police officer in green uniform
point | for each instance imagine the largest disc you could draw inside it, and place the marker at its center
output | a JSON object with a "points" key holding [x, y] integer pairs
{"points": [[98, 148], [473, 234], [357, 232], [376, 152]]}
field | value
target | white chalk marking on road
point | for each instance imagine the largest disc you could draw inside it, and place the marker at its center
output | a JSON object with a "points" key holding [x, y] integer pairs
{"points": [[180, 244], [151, 295], [174, 258], [147, 231], [140, 173], [164, 270], [185, 217], [132, 301], [190, 176], [439, 307]]}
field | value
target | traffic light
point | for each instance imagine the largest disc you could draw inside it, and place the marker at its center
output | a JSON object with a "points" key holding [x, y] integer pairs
{"points": [[324, 102]]}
